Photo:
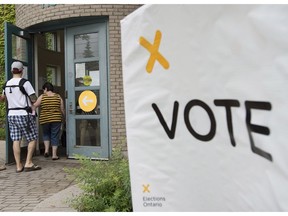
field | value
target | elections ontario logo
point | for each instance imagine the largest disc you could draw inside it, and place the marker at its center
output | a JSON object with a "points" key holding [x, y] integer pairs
{"points": [[149, 200]]}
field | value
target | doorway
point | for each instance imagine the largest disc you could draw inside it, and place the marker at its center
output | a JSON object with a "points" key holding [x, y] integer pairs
{"points": [[74, 58], [87, 91], [50, 67]]}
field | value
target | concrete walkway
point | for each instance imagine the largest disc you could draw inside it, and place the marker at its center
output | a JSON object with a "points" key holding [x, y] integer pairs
{"points": [[47, 189], [58, 201]]}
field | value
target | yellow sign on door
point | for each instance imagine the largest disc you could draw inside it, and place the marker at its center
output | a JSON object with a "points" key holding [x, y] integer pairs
{"points": [[87, 80], [87, 101]]}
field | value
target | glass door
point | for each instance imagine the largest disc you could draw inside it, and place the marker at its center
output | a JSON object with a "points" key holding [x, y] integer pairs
{"points": [[87, 102], [18, 47]]}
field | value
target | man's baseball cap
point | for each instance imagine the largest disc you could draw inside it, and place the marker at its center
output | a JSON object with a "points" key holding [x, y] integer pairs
{"points": [[17, 67]]}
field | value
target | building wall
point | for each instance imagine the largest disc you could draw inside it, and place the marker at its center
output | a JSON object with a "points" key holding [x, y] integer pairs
{"points": [[28, 15]]}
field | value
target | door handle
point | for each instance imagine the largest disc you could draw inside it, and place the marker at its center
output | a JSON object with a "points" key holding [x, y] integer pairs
{"points": [[71, 108]]}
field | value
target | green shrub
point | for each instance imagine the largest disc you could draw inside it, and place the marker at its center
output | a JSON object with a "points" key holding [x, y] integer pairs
{"points": [[105, 184], [2, 134], [7, 14]]}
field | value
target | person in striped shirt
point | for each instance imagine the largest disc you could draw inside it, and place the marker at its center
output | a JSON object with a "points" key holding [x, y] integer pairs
{"points": [[52, 113]]}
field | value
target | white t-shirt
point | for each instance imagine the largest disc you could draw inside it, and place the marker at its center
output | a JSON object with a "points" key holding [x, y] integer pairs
{"points": [[16, 98]]}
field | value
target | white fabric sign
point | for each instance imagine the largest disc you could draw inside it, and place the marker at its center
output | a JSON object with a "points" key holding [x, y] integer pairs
{"points": [[206, 102]]}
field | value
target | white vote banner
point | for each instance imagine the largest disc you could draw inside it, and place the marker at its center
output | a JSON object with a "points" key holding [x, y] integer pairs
{"points": [[206, 103]]}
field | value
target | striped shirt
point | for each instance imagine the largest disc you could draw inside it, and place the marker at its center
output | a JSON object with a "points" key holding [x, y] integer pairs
{"points": [[50, 109]]}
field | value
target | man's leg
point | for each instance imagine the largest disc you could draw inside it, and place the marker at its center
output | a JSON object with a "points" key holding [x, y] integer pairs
{"points": [[31, 135], [31, 149], [17, 151]]}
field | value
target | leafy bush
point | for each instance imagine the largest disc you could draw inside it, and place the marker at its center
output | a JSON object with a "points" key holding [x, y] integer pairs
{"points": [[105, 184], [7, 14], [2, 134]]}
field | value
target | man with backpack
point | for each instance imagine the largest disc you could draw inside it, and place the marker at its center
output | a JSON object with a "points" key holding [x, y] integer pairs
{"points": [[20, 95]]}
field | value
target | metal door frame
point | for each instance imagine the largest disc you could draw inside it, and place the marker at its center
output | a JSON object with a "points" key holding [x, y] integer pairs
{"points": [[104, 150]]}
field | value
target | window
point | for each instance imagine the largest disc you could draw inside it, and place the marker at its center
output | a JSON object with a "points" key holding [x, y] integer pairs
{"points": [[86, 46], [51, 41], [89, 70], [53, 75], [19, 48]]}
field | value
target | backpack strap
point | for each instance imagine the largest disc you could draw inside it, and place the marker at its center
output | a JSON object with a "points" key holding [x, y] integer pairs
{"points": [[21, 86]]}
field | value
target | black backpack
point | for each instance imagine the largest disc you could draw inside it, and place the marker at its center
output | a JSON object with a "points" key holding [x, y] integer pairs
{"points": [[22, 89], [20, 85]]}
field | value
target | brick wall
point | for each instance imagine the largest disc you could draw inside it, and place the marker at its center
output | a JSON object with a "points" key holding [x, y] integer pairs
{"points": [[28, 15]]}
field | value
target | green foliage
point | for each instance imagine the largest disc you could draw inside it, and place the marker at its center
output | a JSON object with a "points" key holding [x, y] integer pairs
{"points": [[105, 184], [2, 133], [7, 14]]}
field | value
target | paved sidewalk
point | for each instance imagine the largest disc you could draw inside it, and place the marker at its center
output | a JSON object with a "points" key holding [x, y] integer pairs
{"points": [[58, 201], [47, 189]]}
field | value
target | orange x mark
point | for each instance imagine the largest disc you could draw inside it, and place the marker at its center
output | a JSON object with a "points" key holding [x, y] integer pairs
{"points": [[155, 54], [146, 188]]}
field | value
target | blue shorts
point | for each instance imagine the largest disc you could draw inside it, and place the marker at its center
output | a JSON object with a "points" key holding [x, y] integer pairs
{"points": [[20, 126], [51, 132]]}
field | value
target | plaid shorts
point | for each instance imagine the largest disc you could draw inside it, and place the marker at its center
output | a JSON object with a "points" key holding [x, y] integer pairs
{"points": [[19, 126]]}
